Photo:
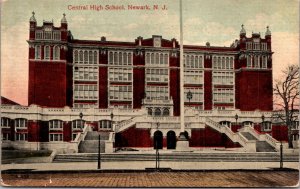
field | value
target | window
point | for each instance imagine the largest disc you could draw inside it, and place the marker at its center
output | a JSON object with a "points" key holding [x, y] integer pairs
{"points": [[264, 61], [157, 92], [196, 92], [256, 61], [120, 92], [83, 105], [120, 74], [157, 112], [223, 78], [85, 73], [193, 61], [166, 112], [21, 136], [249, 61], [55, 137], [56, 35], [20, 123], [193, 77], [105, 124], [266, 126], [248, 123], [39, 34], [295, 125], [77, 124], [38, 52], [75, 56], [223, 95], [222, 62], [48, 35], [5, 136], [150, 112], [120, 58], [47, 53], [56, 53], [85, 92], [55, 125], [5, 122], [225, 123], [157, 58], [157, 75]]}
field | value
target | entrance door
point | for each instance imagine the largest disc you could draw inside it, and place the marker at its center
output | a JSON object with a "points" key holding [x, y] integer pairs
{"points": [[158, 140], [171, 140]]}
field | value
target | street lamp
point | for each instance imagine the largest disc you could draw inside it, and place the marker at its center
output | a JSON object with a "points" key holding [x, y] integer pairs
{"points": [[263, 120], [236, 118], [157, 152], [189, 96], [80, 116]]}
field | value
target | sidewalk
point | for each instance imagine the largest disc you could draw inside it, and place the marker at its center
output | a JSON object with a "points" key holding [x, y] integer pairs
{"points": [[141, 165]]}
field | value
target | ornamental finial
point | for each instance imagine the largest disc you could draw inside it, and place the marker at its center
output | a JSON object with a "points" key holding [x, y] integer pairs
{"points": [[64, 20], [243, 31], [268, 32], [32, 18]]}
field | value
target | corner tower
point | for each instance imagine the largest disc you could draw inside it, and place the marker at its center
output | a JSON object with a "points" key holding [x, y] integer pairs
{"points": [[47, 63]]}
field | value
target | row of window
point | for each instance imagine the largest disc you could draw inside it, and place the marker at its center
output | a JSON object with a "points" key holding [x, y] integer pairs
{"points": [[158, 111], [222, 62], [157, 75], [257, 61], [120, 74], [157, 92], [223, 95], [47, 35], [120, 92], [193, 61], [83, 106], [86, 73], [256, 46], [223, 78], [47, 52], [85, 92], [120, 58], [157, 58], [193, 77], [85, 56]]}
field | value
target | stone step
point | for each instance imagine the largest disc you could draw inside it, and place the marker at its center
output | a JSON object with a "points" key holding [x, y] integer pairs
{"points": [[263, 146], [248, 136], [91, 146], [93, 135], [271, 157]]}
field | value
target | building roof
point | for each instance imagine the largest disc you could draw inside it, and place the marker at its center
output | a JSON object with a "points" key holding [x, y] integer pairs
{"points": [[8, 101]]}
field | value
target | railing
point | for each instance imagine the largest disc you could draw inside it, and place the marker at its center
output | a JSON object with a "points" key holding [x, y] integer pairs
{"points": [[80, 136], [272, 141]]}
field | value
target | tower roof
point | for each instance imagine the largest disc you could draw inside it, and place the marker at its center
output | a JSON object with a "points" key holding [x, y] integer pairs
{"points": [[64, 20], [243, 31], [32, 18]]}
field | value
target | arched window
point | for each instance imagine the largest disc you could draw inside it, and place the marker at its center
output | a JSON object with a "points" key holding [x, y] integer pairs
{"points": [[152, 58], [223, 63], [231, 62], [150, 111], [91, 59], [264, 62], [166, 112], [120, 58], [196, 62], [111, 58], [129, 58], [227, 63], [147, 58], [256, 61], [156, 58], [76, 56], [124, 58], [80, 56], [38, 52], [56, 53], [157, 112], [192, 62], [166, 58], [47, 52], [161, 59], [85, 57], [116, 60], [249, 61], [95, 57]]}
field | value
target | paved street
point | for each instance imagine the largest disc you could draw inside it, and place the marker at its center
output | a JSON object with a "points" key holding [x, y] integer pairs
{"points": [[157, 179]]}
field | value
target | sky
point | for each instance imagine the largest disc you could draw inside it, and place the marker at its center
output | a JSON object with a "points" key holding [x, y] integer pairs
{"points": [[215, 21]]}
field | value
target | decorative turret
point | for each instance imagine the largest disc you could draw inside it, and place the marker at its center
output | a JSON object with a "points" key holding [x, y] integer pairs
{"points": [[32, 26], [268, 32], [243, 31], [32, 18], [64, 28], [64, 20]]}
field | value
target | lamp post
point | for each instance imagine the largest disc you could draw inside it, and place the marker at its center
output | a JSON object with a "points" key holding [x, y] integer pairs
{"points": [[157, 152], [236, 118], [263, 120], [281, 155], [189, 96], [80, 116]]}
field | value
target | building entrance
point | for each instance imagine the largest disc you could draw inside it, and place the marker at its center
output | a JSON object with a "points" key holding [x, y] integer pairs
{"points": [[171, 140], [158, 140]]}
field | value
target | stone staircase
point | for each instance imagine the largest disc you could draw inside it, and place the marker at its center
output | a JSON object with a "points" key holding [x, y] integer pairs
{"points": [[261, 146], [90, 142], [180, 156]]}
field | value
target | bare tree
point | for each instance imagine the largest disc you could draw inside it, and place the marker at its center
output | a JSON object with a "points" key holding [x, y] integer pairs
{"points": [[286, 93]]}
